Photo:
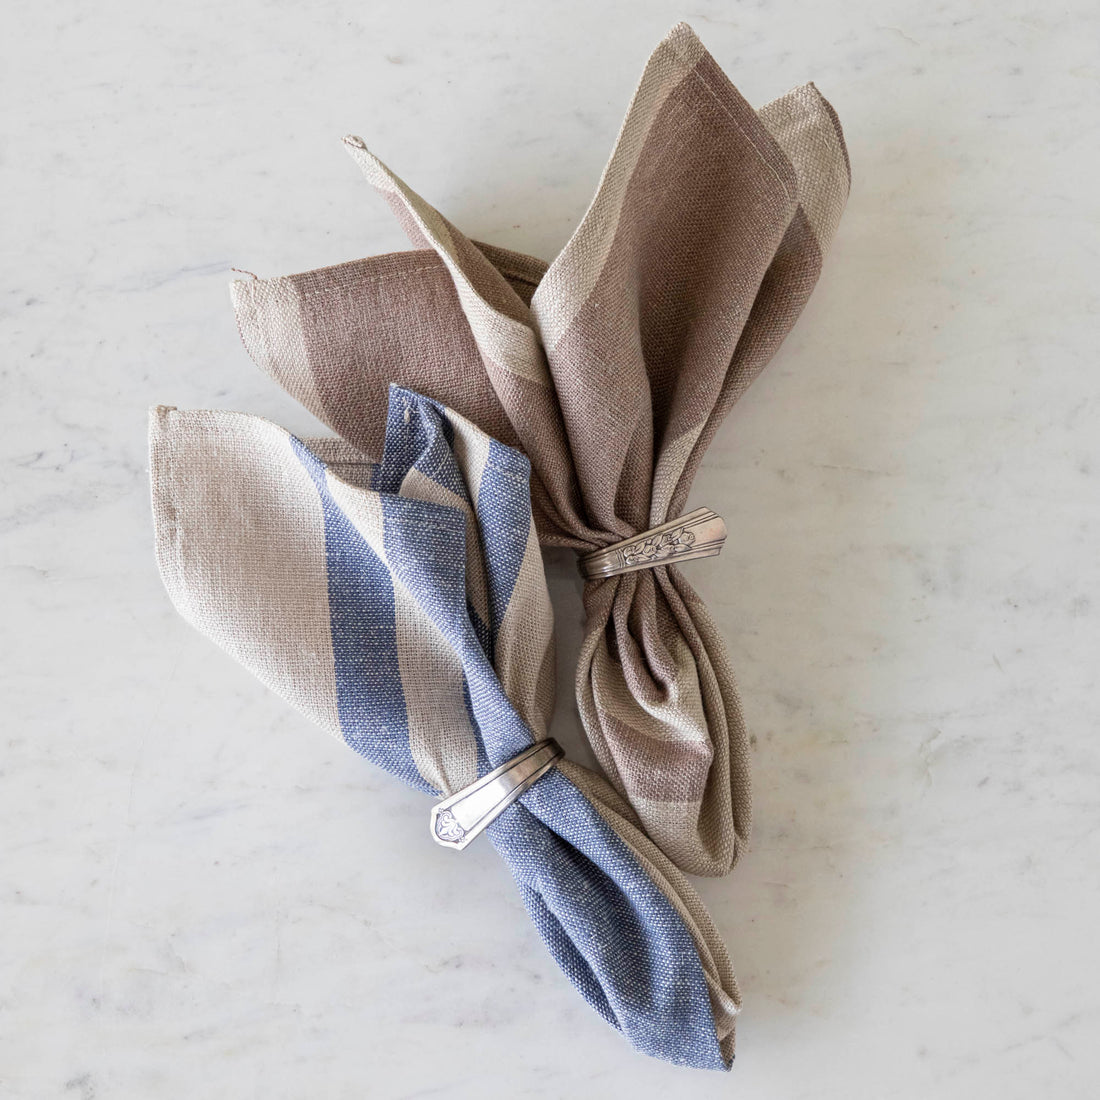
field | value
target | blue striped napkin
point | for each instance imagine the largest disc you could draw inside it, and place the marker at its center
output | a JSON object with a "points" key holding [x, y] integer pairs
{"points": [[402, 606]]}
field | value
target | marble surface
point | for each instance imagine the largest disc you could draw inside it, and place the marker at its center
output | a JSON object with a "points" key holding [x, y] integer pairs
{"points": [[200, 895]]}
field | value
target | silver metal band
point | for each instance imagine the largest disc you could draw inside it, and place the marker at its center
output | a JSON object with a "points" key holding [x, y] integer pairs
{"points": [[699, 534], [457, 820]]}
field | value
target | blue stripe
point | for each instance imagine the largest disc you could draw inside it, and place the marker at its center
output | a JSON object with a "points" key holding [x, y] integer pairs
{"points": [[504, 516], [418, 436], [369, 696], [426, 546], [606, 923], [612, 931]]}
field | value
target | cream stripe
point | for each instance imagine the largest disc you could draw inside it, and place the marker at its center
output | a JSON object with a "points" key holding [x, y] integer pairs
{"points": [[267, 317], [571, 277], [525, 637], [441, 739], [678, 717], [471, 450], [508, 342], [804, 129], [676, 826], [443, 742], [240, 540]]}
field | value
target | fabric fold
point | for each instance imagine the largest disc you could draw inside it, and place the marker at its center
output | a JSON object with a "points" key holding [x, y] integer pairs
{"points": [[402, 606], [611, 368]]}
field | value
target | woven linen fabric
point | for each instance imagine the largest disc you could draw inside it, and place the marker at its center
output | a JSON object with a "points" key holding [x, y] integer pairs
{"points": [[402, 606], [611, 368]]}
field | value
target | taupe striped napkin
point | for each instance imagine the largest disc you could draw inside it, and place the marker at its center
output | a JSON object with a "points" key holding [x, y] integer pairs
{"points": [[611, 368]]}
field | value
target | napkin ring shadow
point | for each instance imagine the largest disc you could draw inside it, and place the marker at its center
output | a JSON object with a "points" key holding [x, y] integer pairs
{"points": [[459, 818], [699, 534]]}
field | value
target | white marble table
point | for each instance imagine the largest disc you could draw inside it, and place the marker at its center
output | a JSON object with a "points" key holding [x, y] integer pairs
{"points": [[201, 896]]}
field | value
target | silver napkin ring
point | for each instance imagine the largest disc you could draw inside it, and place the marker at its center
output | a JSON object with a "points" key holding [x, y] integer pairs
{"points": [[699, 534], [458, 819]]}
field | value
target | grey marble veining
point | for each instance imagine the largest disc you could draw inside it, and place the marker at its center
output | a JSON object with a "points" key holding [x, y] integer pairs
{"points": [[200, 895]]}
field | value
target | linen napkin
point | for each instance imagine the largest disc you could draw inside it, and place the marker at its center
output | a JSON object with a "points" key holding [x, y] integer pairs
{"points": [[612, 367], [403, 607]]}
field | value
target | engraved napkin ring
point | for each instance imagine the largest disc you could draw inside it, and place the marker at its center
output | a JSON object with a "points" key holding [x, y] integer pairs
{"points": [[457, 820], [699, 534]]}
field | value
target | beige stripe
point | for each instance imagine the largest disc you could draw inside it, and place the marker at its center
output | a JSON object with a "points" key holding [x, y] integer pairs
{"points": [[676, 716], [677, 827], [442, 740], [240, 541], [525, 637], [670, 467], [571, 277], [506, 340], [523, 272], [267, 318], [443, 744], [803, 127], [471, 450], [659, 768], [332, 450]]}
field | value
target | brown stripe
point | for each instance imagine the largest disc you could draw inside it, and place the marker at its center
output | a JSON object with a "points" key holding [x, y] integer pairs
{"points": [[671, 771], [393, 318], [646, 354], [784, 291]]}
